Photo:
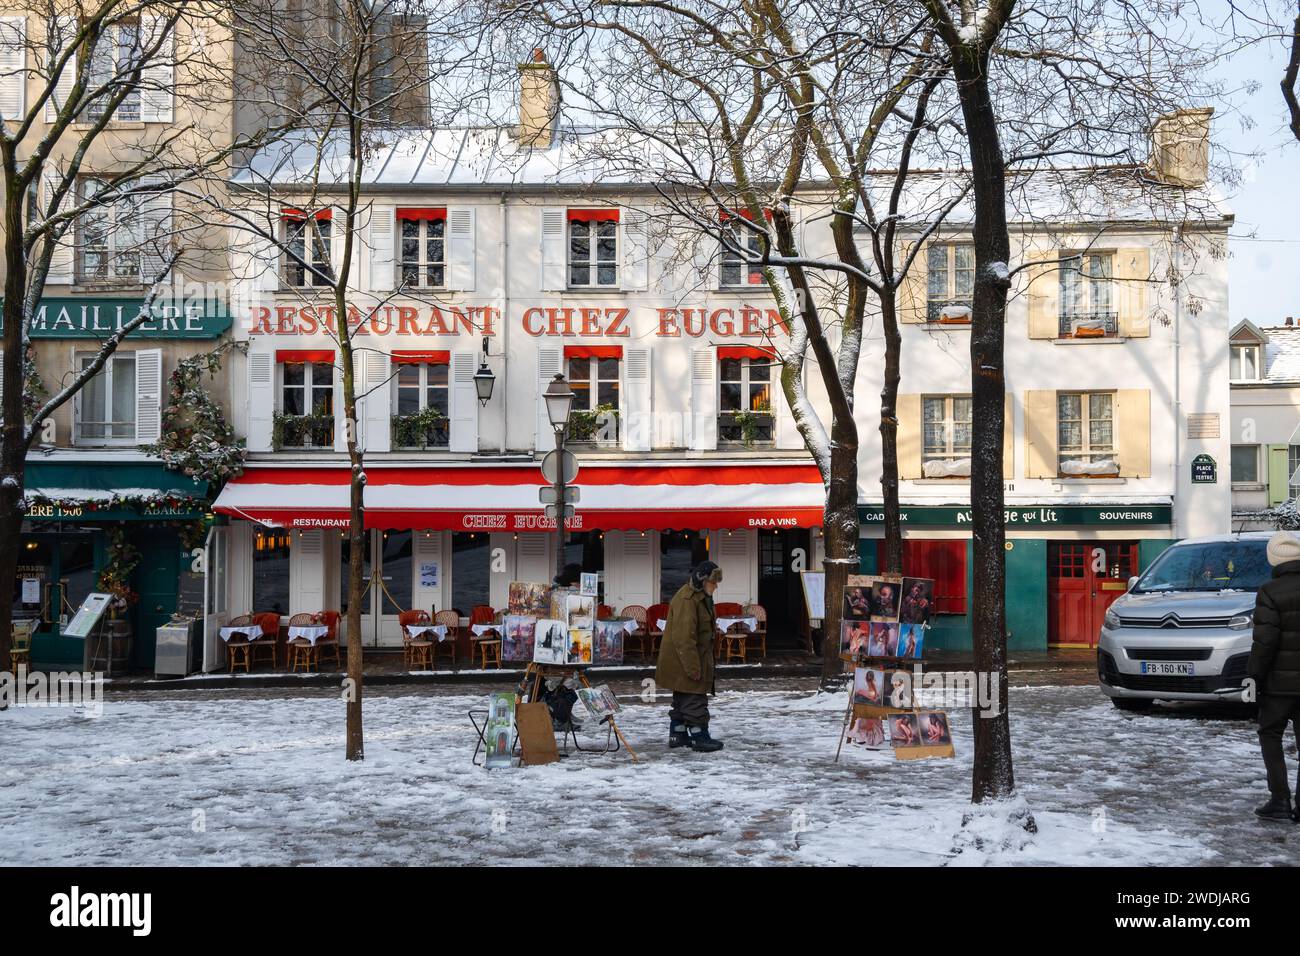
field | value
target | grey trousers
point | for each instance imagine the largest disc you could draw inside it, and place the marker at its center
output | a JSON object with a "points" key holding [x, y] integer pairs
{"points": [[1275, 713], [689, 709]]}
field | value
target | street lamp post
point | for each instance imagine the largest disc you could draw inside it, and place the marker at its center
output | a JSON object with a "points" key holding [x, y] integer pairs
{"points": [[559, 403]]}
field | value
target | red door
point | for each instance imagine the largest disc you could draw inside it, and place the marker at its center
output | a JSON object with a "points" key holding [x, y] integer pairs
{"points": [[1083, 579]]}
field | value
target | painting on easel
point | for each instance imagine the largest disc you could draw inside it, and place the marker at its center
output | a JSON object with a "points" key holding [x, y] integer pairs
{"points": [[517, 640], [551, 642]]}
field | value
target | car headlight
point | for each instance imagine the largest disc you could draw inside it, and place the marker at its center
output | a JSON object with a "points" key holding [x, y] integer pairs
{"points": [[1240, 622], [1112, 619]]}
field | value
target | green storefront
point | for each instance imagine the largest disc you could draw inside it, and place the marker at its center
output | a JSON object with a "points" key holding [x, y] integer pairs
{"points": [[89, 513], [1064, 565]]}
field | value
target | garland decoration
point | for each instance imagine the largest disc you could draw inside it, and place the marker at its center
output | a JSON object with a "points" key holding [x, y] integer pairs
{"points": [[196, 439]]}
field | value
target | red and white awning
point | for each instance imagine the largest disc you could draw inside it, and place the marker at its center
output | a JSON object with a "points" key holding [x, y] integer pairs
{"points": [[478, 497]]}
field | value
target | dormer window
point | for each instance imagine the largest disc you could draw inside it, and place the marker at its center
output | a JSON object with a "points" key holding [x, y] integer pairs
{"points": [[1244, 363]]}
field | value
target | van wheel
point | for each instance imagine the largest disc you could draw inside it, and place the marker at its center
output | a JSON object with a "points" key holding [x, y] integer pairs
{"points": [[1131, 703]]}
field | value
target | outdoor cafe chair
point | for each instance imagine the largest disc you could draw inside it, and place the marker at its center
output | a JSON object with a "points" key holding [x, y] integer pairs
{"points": [[301, 652], [450, 619], [654, 633], [637, 613], [415, 647], [759, 614], [239, 652]]}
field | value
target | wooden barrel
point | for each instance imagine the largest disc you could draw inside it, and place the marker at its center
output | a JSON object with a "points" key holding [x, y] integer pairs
{"points": [[111, 652]]}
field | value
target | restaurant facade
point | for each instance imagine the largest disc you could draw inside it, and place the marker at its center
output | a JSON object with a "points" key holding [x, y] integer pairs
{"points": [[1116, 407]]}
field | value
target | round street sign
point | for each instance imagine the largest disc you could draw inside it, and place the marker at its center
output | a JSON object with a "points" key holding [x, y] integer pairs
{"points": [[550, 461]]}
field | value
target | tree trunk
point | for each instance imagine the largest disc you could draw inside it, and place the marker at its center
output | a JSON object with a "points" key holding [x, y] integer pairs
{"points": [[357, 538], [13, 443], [993, 776], [840, 538], [889, 436]]}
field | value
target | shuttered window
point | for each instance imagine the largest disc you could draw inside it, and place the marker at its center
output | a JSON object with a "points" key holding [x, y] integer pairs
{"points": [[106, 405]]}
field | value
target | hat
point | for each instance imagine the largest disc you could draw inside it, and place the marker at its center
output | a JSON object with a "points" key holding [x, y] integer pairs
{"points": [[705, 571], [1284, 546]]}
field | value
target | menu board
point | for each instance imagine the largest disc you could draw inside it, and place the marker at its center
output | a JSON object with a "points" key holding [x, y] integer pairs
{"points": [[189, 594], [87, 616]]}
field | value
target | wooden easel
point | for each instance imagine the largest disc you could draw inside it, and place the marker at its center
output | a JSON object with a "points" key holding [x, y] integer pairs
{"points": [[883, 712], [536, 673]]}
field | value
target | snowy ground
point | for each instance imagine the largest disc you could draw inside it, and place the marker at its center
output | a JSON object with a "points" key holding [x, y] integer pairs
{"points": [[230, 780]]}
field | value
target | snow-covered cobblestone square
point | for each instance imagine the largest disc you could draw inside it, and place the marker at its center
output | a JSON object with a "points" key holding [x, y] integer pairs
{"points": [[260, 779]]}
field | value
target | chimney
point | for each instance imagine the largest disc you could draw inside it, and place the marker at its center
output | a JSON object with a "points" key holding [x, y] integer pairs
{"points": [[1289, 321], [539, 102], [1180, 147]]}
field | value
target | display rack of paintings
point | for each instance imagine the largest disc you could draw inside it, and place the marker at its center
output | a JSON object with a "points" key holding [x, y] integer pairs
{"points": [[882, 634]]}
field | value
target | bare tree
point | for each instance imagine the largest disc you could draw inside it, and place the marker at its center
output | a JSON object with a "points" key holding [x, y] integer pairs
{"points": [[347, 76], [68, 77], [796, 132]]}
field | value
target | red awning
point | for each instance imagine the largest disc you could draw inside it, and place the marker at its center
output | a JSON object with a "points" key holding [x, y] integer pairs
{"points": [[421, 356], [416, 212], [475, 497], [746, 351], [299, 214], [304, 355], [593, 351], [593, 215]]}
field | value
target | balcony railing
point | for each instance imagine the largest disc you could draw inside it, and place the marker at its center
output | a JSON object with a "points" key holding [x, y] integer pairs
{"points": [[1077, 324]]}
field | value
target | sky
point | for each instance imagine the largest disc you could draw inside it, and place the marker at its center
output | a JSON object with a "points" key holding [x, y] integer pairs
{"points": [[1264, 245]]}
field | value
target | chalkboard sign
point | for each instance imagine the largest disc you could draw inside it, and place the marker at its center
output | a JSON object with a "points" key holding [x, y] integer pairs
{"points": [[189, 594]]}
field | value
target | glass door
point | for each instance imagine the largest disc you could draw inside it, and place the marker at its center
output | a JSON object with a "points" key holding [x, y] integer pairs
{"points": [[396, 567], [367, 589]]}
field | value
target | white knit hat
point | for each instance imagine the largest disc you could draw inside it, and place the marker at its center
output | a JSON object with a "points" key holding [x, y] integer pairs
{"points": [[1284, 546]]}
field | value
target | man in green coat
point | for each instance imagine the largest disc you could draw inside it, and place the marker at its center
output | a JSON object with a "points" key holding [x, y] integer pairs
{"points": [[686, 659]]}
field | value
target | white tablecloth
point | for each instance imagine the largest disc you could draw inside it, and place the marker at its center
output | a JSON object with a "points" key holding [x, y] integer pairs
{"points": [[481, 629], [439, 630], [310, 632], [249, 631], [750, 623]]}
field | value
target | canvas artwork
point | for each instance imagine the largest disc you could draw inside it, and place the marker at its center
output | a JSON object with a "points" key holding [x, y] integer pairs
{"points": [[886, 597], [531, 599], [599, 701], [898, 689], [854, 637], [550, 642], [559, 609], [868, 686], [868, 731], [517, 637], [935, 731], [918, 601], [858, 598], [579, 646], [608, 643], [499, 733], [580, 611], [904, 731], [911, 637], [883, 639]]}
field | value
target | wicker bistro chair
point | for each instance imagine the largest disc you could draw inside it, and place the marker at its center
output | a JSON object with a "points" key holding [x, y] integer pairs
{"points": [[329, 644], [637, 613], [604, 612], [20, 647], [301, 652], [415, 648], [759, 613], [724, 643], [239, 651], [269, 641], [654, 634], [483, 614], [451, 620]]}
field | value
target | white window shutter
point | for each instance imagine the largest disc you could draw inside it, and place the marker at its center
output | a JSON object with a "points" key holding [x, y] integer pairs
{"points": [[787, 433], [148, 395], [358, 387], [383, 232], [266, 263], [61, 261], [636, 250], [156, 215], [638, 410], [464, 403], [377, 406], [307, 571], [548, 366], [460, 248], [13, 67], [63, 30], [158, 78], [708, 252], [554, 249], [704, 399], [261, 399]]}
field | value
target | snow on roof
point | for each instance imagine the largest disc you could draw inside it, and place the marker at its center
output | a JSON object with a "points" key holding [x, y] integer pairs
{"points": [[1282, 354], [424, 160]]}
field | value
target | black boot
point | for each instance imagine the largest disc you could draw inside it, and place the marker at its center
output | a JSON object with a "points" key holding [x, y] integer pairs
{"points": [[701, 741], [1277, 808], [677, 736]]}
